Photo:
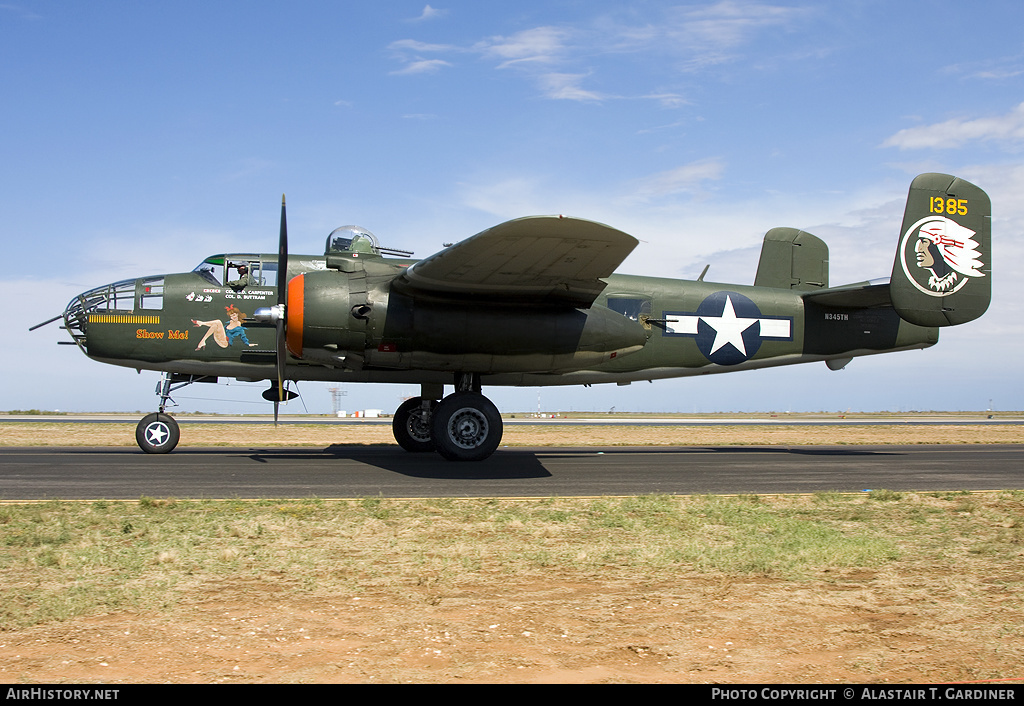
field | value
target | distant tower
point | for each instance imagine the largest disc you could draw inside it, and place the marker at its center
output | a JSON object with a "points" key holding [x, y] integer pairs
{"points": [[336, 394]]}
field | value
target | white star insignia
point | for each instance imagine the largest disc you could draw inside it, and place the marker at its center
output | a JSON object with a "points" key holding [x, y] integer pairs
{"points": [[729, 328]]}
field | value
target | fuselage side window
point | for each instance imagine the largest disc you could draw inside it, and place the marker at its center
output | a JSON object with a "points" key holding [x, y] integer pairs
{"points": [[151, 293], [630, 307]]}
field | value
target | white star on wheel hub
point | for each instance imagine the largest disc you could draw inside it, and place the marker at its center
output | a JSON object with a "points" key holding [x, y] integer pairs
{"points": [[157, 433]]}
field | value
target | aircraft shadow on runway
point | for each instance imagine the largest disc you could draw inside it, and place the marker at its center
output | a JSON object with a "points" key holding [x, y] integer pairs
{"points": [[509, 464], [513, 463]]}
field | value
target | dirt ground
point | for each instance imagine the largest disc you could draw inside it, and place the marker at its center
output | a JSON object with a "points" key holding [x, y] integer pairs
{"points": [[902, 623], [861, 628]]}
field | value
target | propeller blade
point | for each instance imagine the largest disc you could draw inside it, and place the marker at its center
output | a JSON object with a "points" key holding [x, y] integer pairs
{"points": [[282, 354], [282, 258], [282, 298]]}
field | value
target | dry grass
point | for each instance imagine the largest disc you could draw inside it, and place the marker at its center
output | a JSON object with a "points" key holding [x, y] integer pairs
{"points": [[323, 435], [879, 587]]}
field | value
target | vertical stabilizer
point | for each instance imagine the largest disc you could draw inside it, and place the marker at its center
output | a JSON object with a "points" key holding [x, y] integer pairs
{"points": [[942, 275], [792, 259]]}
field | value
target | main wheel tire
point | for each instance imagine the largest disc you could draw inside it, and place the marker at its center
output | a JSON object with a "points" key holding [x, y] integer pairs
{"points": [[157, 433], [412, 425], [466, 427]]}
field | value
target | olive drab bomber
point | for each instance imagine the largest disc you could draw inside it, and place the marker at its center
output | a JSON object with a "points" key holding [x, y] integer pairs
{"points": [[530, 302]]}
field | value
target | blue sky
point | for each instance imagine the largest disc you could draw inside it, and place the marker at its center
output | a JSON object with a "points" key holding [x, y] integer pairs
{"points": [[140, 137]]}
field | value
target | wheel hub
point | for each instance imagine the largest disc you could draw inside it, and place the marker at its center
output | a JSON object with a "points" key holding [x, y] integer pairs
{"points": [[418, 425], [468, 428]]}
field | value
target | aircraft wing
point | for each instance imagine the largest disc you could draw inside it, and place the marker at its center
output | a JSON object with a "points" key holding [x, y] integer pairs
{"points": [[550, 259]]}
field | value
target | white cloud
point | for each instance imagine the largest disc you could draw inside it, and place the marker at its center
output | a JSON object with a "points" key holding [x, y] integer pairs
{"points": [[20, 11], [410, 52], [557, 58], [685, 179], [567, 87], [951, 134], [698, 38], [421, 66], [429, 13], [538, 45], [669, 100], [412, 45], [728, 23]]}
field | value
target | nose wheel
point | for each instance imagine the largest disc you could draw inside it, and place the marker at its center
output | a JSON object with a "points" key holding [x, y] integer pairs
{"points": [[157, 433]]}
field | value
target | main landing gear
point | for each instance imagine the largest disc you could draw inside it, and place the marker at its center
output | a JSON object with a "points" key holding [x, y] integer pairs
{"points": [[464, 426]]}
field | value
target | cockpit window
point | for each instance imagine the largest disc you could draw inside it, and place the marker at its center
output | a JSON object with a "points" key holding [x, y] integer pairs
{"points": [[208, 269], [226, 271], [268, 274]]}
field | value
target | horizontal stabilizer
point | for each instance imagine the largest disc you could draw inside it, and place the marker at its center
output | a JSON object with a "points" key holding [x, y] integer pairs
{"points": [[853, 296]]}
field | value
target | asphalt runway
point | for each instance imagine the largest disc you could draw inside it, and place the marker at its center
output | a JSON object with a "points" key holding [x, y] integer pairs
{"points": [[860, 419], [84, 473]]}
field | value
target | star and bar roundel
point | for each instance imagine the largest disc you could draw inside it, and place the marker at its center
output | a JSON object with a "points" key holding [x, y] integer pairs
{"points": [[728, 327]]}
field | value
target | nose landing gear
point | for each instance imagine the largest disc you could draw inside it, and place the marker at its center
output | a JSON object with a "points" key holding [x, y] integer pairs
{"points": [[157, 433]]}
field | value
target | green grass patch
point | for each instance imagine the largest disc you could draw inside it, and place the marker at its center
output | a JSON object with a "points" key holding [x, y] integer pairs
{"points": [[59, 560]]}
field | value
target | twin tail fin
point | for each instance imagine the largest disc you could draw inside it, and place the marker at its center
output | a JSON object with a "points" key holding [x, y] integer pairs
{"points": [[942, 274]]}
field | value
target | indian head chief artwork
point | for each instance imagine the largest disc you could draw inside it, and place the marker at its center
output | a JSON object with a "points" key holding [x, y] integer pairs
{"points": [[945, 255]]}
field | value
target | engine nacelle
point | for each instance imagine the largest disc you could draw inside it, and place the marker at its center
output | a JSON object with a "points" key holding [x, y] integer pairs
{"points": [[334, 318]]}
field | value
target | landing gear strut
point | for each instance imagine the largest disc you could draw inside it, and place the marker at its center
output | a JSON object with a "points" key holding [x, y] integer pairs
{"points": [[464, 426]]}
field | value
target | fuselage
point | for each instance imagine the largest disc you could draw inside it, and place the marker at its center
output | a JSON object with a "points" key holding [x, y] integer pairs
{"points": [[362, 327]]}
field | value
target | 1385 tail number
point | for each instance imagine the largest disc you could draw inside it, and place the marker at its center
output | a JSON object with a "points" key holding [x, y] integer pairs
{"points": [[948, 206]]}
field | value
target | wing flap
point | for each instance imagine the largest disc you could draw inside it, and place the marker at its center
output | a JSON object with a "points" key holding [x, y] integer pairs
{"points": [[551, 258]]}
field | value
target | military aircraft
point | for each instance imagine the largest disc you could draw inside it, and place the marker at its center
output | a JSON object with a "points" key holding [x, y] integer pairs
{"points": [[530, 302]]}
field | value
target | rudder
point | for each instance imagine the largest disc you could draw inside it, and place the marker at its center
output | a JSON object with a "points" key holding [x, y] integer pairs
{"points": [[942, 274]]}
